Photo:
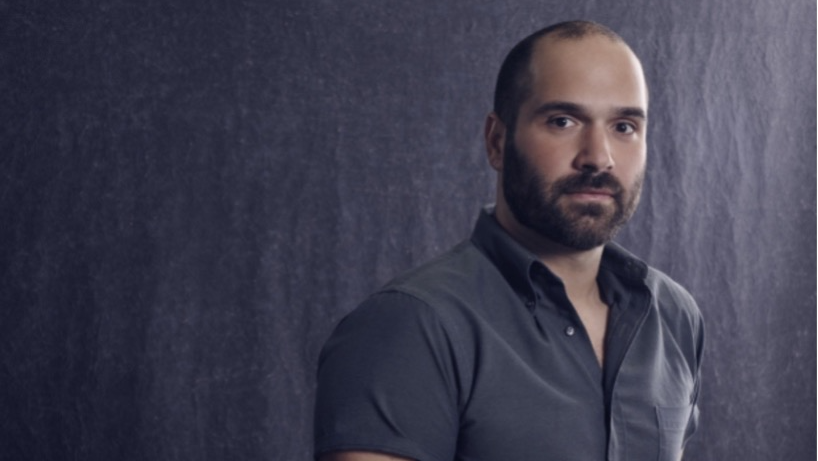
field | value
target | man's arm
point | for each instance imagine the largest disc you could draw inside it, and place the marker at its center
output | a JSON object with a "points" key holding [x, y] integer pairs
{"points": [[387, 384], [360, 456]]}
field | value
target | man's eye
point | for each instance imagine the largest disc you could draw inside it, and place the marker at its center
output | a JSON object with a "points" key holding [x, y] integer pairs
{"points": [[625, 128], [561, 122]]}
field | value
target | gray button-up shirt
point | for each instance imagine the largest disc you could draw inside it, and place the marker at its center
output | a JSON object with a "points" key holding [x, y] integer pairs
{"points": [[479, 355]]}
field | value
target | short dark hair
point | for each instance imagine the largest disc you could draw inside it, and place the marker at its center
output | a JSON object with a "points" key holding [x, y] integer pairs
{"points": [[514, 80]]}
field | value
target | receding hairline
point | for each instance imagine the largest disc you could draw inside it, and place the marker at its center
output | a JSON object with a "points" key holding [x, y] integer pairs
{"points": [[567, 33], [540, 46], [514, 80]]}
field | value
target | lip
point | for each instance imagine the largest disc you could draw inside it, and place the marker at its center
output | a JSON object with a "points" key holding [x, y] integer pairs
{"points": [[592, 194], [591, 191]]}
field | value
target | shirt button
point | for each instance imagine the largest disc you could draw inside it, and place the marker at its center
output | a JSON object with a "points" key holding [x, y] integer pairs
{"points": [[569, 331], [529, 303]]}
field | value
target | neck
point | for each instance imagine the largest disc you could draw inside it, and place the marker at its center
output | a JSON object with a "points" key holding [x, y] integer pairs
{"points": [[577, 269]]}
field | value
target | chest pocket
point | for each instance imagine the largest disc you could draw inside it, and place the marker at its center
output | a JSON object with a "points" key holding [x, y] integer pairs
{"points": [[672, 424]]}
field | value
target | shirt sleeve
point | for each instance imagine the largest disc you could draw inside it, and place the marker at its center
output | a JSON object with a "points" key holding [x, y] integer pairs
{"points": [[387, 382], [693, 423]]}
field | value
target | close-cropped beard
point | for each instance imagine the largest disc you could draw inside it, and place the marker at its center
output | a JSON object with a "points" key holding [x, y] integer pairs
{"points": [[536, 204]]}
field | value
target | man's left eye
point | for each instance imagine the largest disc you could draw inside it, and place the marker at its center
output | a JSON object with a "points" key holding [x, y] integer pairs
{"points": [[625, 128]]}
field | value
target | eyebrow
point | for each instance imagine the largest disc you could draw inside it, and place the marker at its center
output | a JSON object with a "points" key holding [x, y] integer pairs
{"points": [[573, 108]]}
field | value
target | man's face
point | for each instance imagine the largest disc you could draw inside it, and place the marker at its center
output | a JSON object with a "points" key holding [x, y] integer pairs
{"points": [[574, 165]]}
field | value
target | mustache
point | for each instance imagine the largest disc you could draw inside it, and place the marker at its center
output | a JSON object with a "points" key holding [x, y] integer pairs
{"points": [[589, 180]]}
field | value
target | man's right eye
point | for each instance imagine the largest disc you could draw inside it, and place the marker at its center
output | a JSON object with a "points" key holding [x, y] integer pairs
{"points": [[560, 122]]}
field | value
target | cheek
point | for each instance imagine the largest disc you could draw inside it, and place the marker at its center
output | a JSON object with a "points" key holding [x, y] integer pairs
{"points": [[546, 161], [541, 144], [551, 160], [631, 165]]}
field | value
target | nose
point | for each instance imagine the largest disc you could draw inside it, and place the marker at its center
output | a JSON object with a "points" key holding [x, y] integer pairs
{"points": [[594, 151]]}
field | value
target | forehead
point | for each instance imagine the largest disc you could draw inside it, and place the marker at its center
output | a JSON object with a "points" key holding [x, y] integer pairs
{"points": [[594, 71]]}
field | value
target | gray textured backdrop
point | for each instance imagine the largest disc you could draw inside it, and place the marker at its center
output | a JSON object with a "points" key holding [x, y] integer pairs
{"points": [[192, 195]]}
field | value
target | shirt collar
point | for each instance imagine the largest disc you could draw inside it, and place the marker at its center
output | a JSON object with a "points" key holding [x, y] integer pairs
{"points": [[516, 263], [624, 264], [510, 258]]}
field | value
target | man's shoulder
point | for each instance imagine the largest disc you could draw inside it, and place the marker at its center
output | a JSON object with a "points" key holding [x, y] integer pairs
{"points": [[661, 283], [667, 291], [672, 299], [429, 300], [453, 273]]}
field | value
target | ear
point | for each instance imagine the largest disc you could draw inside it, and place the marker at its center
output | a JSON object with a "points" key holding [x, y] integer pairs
{"points": [[495, 134]]}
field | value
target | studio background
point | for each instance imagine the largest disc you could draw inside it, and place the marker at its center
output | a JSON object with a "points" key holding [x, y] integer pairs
{"points": [[192, 194]]}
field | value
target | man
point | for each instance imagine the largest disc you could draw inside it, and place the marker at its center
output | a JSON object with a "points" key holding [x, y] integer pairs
{"points": [[538, 338]]}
